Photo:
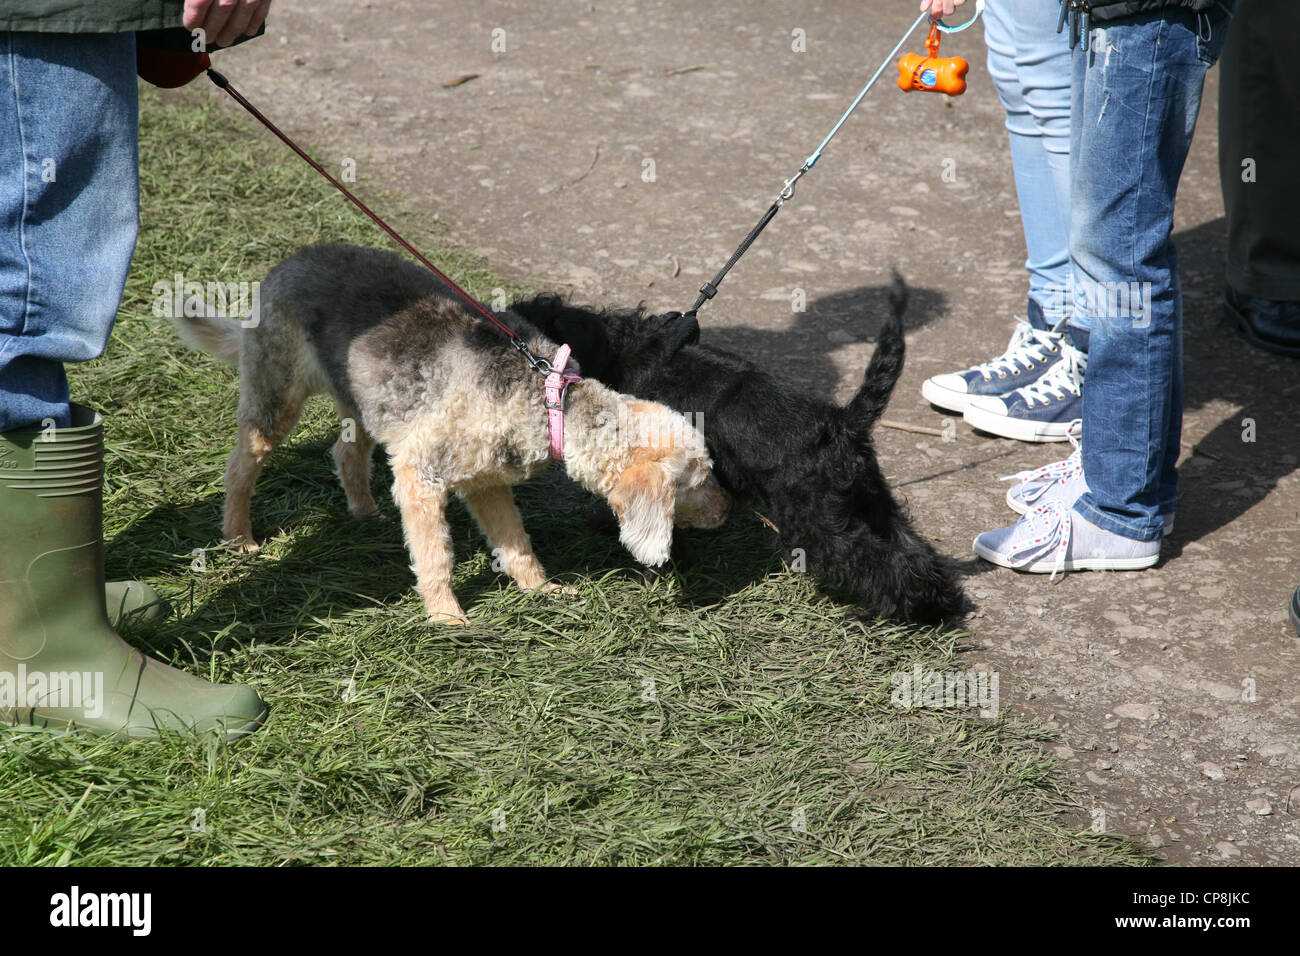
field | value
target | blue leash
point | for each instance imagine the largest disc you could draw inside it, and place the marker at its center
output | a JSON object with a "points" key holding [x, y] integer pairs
{"points": [[817, 153], [710, 289]]}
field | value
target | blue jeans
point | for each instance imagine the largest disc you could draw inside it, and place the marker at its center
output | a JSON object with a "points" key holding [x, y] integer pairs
{"points": [[69, 208], [1030, 66], [1136, 94]]}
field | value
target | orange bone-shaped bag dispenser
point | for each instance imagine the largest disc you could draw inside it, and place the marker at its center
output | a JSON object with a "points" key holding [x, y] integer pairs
{"points": [[937, 74]]}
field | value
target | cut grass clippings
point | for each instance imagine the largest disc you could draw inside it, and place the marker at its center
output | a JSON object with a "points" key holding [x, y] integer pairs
{"points": [[722, 713]]}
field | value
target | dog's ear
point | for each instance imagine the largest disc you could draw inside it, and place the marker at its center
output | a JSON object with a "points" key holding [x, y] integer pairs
{"points": [[580, 334], [589, 342], [643, 499]]}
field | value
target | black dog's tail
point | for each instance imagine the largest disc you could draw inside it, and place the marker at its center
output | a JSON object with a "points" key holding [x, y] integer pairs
{"points": [[885, 367]]}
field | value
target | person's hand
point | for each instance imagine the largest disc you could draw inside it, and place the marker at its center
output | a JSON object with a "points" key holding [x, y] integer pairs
{"points": [[940, 8], [225, 21]]}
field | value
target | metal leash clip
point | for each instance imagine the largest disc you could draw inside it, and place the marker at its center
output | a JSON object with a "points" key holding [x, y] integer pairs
{"points": [[539, 365], [788, 191]]}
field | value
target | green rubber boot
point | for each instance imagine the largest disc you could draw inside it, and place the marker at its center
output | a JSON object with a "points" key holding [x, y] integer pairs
{"points": [[132, 602], [61, 664]]}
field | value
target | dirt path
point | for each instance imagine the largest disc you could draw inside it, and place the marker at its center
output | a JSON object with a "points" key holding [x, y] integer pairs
{"points": [[1174, 690]]}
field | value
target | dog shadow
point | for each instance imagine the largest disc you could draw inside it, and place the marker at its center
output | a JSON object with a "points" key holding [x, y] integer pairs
{"points": [[802, 349], [335, 564]]}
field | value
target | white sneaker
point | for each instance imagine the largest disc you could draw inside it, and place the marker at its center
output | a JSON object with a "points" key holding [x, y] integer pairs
{"points": [[1060, 481], [1030, 353], [1052, 538], [1033, 485]]}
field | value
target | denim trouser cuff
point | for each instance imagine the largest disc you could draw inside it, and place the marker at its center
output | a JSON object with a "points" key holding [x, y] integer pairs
{"points": [[1087, 508]]}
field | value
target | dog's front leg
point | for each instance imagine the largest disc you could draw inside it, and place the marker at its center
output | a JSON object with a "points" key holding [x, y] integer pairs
{"points": [[494, 510], [424, 521]]}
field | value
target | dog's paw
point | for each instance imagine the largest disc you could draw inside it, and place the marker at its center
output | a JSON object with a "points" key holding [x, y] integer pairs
{"points": [[450, 616], [242, 545], [550, 587]]}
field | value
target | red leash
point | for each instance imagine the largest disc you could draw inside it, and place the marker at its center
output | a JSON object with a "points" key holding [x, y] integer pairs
{"points": [[540, 364]]}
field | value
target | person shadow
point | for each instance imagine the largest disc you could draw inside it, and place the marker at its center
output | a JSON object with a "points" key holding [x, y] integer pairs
{"points": [[1242, 458]]}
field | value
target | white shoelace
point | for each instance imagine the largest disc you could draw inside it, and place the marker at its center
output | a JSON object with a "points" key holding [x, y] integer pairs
{"points": [[1065, 376], [1046, 529], [1027, 346], [1043, 478]]}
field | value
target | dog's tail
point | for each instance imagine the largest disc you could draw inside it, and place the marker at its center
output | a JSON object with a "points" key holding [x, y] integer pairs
{"points": [[885, 366], [209, 333]]}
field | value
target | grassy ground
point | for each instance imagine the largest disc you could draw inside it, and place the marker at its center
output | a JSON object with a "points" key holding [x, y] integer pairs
{"points": [[697, 719]]}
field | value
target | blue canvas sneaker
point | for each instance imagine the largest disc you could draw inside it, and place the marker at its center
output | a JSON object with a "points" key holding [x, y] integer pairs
{"points": [[1042, 411], [1030, 353]]}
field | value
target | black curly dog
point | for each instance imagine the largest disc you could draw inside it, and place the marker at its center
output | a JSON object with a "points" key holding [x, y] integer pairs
{"points": [[806, 464]]}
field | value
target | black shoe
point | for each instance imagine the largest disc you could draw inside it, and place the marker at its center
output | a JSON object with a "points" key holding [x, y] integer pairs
{"points": [[1270, 325], [1295, 610]]}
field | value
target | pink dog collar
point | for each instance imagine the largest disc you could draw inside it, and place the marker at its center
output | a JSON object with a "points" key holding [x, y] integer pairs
{"points": [[557, 386]]}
